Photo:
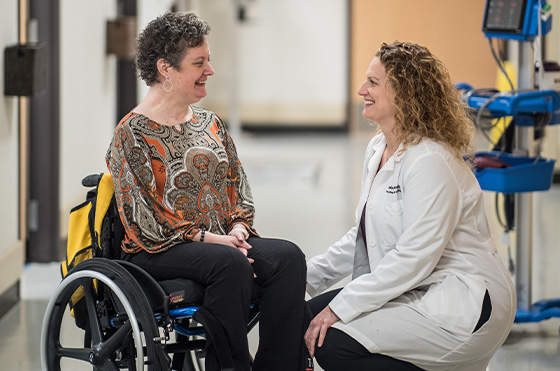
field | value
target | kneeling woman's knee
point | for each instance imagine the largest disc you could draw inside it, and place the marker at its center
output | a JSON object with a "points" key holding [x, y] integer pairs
{"points": [[327, 356], [335, 352]]}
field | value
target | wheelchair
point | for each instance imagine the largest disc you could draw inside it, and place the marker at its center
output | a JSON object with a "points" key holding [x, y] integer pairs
{"points": [[131, 321]]}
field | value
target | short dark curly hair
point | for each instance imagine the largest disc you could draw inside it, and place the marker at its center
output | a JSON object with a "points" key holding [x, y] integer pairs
{"points": [[168, 37]]}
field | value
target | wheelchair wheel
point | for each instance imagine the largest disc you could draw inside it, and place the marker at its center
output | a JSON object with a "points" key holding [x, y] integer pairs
{"points": [[120, 331]]}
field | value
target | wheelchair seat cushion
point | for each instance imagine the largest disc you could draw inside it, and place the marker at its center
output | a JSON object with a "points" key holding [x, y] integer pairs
{"points": [[178, 292], [183, 291]]}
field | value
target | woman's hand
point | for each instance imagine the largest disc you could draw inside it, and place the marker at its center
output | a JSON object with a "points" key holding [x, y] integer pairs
{"points": [[241, 234], [318, 328], [231, 240]]}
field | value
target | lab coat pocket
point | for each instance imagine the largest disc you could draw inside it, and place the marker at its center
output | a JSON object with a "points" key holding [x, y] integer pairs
{"points": [[454, 303], [392, 228]]}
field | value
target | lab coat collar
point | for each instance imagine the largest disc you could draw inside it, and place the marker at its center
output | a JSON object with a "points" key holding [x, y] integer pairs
{"points": [[395, 159], [399, 153], [378, 148]]}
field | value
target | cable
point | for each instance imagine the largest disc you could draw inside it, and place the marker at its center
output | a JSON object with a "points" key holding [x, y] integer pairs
{"points": [[505, 234], [500, 63], [481, 112], [497, 207], [541, 120], [490, 99], [537, 48]]}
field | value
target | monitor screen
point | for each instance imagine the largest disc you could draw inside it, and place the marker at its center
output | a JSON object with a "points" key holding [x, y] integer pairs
{"points": [[504, 16]]}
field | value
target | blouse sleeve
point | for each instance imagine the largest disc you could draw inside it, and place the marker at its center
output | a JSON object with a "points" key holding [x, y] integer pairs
{"points": [[147, 223], [242, 209]]}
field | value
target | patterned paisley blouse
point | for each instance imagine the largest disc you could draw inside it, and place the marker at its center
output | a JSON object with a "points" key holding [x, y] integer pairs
{"points": [[172, 181]]}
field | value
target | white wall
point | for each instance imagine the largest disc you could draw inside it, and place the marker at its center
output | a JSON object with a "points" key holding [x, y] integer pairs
{"points": [[11, 249], [87, 96], [88, 91], [286, 65], [148, 10]]}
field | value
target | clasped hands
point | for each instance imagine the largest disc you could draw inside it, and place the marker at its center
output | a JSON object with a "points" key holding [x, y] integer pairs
{"points": [[237, 239]]}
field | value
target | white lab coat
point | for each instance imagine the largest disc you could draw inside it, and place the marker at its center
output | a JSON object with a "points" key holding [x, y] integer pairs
{"points": [[431, 257]]}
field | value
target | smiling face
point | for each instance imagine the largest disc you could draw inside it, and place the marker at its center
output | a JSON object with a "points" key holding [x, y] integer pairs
{"points": [[378, 96], [189, 79]]}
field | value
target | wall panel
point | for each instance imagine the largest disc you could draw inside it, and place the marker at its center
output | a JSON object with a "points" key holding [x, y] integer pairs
{"points": [[451, 29]]}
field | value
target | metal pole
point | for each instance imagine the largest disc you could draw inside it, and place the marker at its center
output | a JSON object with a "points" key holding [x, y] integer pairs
{"points": [[524, 201], [23, 133]]}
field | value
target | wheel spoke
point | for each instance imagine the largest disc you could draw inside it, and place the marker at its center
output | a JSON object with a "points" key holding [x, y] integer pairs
{"points": [[74, 353], [95, 325], [108, 365], [121, 345], [114, 342]]}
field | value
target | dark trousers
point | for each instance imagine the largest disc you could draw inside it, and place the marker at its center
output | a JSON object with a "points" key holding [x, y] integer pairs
{"points": [[340, 352], [228, 276]]}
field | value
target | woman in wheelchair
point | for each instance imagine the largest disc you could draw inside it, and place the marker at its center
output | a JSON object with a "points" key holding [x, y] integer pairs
{"points": [[187, 207]]}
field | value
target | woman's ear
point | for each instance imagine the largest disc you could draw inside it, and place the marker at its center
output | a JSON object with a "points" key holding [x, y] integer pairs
{"points": [[163, 67]]}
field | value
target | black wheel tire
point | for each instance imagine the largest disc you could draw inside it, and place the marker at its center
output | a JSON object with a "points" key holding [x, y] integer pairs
{"points": [[132, 345]]}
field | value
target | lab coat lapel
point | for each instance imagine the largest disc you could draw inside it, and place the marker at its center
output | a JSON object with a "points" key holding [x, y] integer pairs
{"points": [[372, 166]]}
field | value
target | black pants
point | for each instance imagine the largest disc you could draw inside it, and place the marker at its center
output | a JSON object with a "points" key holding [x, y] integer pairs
{"points": [[228, 276], [341, 352]]}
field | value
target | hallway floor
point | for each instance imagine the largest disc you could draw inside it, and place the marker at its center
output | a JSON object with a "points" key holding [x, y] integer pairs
{"points": [[306, 187]]}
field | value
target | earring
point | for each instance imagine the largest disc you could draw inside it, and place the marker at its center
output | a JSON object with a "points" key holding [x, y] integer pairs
{"points": [[170, 86]]}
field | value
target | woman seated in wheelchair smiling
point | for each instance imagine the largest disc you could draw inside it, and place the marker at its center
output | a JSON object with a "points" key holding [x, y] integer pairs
{"points": [[187, 207]]}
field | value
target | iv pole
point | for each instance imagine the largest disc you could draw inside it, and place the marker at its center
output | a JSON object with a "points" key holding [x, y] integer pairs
{"points": [[524, 201]]}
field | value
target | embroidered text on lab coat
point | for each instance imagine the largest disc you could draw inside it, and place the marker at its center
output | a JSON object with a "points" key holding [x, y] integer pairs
{"points": [[393, 189]]}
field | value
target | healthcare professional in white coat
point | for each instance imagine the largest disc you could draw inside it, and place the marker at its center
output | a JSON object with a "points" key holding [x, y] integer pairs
{"points": [[428, 289]]}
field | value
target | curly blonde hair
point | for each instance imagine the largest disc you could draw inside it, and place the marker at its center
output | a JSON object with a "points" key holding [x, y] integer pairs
{"points": [[427, 102]]}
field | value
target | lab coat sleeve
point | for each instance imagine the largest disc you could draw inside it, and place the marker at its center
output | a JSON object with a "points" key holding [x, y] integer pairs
{"points": [[336, 263], [431, 208]]}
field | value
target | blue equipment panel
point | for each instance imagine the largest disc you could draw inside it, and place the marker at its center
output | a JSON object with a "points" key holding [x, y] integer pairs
{"points": [[512, 104], [516, 19]]}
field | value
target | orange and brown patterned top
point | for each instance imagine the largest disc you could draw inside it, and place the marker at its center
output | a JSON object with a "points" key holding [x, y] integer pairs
{"points": [[172, 181]]}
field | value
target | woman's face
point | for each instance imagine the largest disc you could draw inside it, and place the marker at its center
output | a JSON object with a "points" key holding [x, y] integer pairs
{"points": [[190, 79], [379, 102]]}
